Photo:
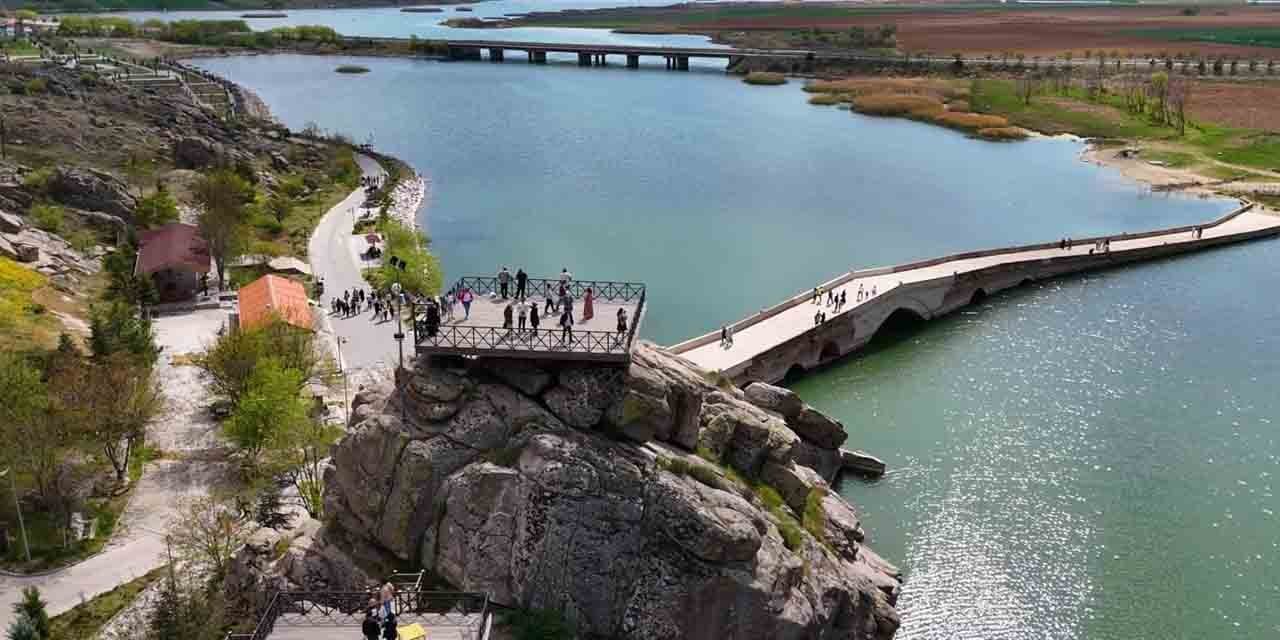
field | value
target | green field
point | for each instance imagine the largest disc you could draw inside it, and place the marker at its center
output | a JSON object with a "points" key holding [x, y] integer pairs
{"points": [[1244, 36]]}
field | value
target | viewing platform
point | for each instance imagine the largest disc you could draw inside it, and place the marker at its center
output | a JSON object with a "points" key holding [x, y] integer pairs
{"points": [[596, 339], [337, 615], [787, 337]]}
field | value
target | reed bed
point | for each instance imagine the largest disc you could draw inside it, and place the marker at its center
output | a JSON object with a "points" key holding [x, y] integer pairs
{"points": [[765, 78], [1003, 133]]}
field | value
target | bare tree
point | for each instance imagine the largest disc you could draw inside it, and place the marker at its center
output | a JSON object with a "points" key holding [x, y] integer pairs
{"points": [[207, 532], [1178, 96]]}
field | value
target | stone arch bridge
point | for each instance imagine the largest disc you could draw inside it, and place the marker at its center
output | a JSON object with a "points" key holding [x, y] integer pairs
{"points": [[785, 338]]}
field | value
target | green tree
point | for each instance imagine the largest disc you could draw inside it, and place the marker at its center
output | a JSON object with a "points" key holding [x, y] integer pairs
{"points": [[230, 362], [156, 209], [113, 398], [32, 607], [223, 196], [115, 327], [123, 283], [23, 629], [269, 408], [300, 452]]}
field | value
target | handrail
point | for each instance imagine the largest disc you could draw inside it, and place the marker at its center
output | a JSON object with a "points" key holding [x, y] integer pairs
{"points": [[608, 290], [466, 337], [803, 296]]}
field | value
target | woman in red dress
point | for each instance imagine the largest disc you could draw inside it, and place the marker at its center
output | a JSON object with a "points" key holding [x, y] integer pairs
{"points": [[587, 309]]}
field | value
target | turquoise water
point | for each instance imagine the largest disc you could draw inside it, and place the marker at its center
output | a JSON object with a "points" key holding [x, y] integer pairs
{"points": [[1089, 458]]}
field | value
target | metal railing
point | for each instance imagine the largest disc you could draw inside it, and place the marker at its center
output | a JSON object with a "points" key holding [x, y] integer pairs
{"points": [[467, 338], [550, 288], [347, 608]]}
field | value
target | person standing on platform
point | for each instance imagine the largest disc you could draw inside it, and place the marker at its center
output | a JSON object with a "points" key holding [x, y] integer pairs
{"points": [[504, 281], [522, 280], [588, 311]]}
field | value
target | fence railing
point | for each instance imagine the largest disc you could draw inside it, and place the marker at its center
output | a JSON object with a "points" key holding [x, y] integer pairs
{"points": [[347, 608], [468, 338], [548, 287]]}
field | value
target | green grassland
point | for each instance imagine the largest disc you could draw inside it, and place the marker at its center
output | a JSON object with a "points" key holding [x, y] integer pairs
{"points": [[1242, 36]]}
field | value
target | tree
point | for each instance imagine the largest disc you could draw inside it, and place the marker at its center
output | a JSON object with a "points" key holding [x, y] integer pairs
{"points": [[223, 195], [155, 210], [187, 607], [113, 398], [300, 452], [23, 629], [1160, 91], [269, 511], [271, 406], [32, 608], [206, 534], [33, 442], [139, 169], [231, 361], [115, 328], [124, 284]]}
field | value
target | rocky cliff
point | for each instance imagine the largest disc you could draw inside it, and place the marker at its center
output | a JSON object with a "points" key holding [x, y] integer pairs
{"points": [[643, 503]]}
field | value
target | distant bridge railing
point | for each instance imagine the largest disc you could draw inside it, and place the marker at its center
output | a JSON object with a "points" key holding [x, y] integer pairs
{"points": [[347, 609]]}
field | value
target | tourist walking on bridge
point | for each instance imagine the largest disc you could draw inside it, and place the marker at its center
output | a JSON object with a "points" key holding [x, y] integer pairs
{"points": [[465, 297], [504, 280]]}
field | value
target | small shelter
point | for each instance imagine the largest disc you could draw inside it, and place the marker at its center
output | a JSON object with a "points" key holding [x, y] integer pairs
{"points": [[176, 258], [274, 296]]}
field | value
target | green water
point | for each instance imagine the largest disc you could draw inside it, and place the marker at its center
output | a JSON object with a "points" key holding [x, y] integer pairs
{"points": [[1090, 458]]}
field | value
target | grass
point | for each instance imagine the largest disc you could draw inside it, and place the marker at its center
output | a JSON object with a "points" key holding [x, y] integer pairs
{"points": [[86, 619], [764, 78], [24, 322], [814, 518], [1173, 159], [1243, 36]]}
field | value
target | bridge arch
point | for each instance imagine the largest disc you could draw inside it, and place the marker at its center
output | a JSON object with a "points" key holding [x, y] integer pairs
{"points": [[901, 320], [978, 296]]}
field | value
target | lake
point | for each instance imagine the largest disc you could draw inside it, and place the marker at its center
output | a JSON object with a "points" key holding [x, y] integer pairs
{"points": [[1091, 457]]}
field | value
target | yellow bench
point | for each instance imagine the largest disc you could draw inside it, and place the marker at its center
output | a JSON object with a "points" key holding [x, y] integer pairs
{"points": [[412, 632]]}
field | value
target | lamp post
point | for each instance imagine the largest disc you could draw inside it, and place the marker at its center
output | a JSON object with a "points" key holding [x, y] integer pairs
{"points": [[22, 526], [396, 290], [342, 368]]}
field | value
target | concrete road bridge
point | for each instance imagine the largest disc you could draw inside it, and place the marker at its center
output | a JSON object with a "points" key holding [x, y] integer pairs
{"points": [[785, 338], [677, 58]]}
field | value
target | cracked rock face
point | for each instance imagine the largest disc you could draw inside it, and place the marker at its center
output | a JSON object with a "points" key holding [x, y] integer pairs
{"points": [[557, 489]]}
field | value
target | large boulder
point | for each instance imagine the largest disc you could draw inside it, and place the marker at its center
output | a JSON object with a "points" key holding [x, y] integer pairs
{"points": [[92, 190], [545, 502], [767, 396], [195, 152], [10, 223], [818, 428]]}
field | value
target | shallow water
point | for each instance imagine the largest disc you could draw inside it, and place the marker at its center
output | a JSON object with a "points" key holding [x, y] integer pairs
{"points": [[1088, 458]]}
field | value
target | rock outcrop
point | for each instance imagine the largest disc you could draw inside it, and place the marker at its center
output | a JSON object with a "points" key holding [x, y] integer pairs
{"points": [[633, 500], [92, 190]]}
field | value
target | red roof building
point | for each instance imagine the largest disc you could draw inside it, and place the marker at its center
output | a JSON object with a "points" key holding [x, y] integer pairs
{"points": [[176, 258], [274, 296]]}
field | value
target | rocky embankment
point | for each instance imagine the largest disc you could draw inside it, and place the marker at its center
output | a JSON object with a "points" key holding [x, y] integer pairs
{"points": [[643, 503]]}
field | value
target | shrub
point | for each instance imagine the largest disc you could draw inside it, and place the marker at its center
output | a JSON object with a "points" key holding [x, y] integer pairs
{"points": [[765, 78], [814, 518], [897, 105], [38, 180], [1003, 133], [826, 98], [969, 121], [156, 209], [49, 217], [81, 240], [35, 86]]}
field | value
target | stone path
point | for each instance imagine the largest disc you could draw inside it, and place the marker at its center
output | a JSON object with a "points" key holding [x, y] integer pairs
{"points": [[763, 335]]}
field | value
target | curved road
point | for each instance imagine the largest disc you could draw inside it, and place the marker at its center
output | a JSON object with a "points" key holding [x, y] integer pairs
{"points": [[364, 344]]}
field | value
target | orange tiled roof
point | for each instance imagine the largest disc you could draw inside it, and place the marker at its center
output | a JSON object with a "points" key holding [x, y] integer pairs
{"points": [[274, 295]]}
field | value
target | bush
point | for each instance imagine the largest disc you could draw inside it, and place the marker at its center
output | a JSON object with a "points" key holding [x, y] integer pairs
{"points": [[156, 209], [81, 240], [38, 180], [882, 104], [765, 78], [35, 86], [49, 217], [1003, 133], [826, 99], [969, 121]]}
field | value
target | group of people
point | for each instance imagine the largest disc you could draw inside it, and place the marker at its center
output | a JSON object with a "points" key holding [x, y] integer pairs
{"points": [[836, 301], [357, 300], [380, 616], [1101, 245]]}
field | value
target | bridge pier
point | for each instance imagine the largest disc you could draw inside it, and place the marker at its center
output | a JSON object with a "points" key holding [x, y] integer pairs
{"points": [[537, 57], [600, 60], [584, 59], [633, 61], [464, 53], [495, 54], [682, 63]]}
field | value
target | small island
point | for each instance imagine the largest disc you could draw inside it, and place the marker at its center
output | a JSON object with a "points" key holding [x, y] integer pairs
{"points": [[352, 68], [764, 78], [422, 10], [269, 14]]}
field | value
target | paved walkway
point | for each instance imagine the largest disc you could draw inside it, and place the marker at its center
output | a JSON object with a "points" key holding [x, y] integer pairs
{"points": [[364, 343], [751, 341]]}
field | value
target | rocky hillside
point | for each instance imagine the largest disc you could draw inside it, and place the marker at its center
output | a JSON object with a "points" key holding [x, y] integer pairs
{"points": [[642, 503]]}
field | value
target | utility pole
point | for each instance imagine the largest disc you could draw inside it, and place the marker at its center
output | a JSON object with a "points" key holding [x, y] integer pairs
{"points": [[396, 290], [13, 483]]}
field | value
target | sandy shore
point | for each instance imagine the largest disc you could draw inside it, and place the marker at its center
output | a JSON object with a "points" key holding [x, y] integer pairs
{"points": [[1136, 168]]}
